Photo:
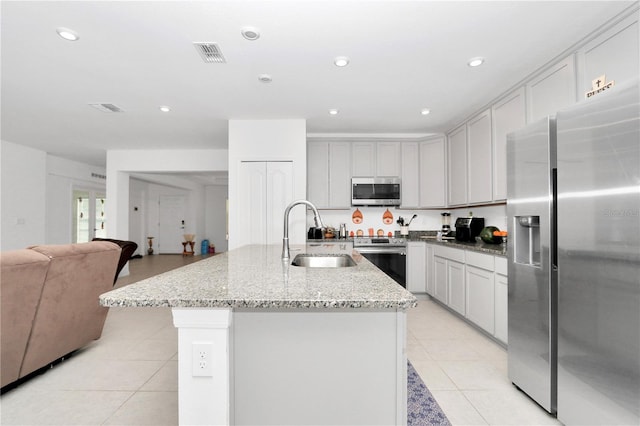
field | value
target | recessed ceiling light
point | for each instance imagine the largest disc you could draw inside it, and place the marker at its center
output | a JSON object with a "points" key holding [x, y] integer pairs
{"points": [[475, 62], [333, 112], [67, 34], [265, 78], [250, 33], [341, 61], [165, 108], [425, 111]]}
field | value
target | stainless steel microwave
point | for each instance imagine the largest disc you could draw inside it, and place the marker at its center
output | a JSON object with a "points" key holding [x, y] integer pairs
{"points": [[368, 191]]}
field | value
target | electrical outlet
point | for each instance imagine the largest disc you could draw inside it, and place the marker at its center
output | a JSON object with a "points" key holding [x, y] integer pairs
{"points": [[202, 359]]}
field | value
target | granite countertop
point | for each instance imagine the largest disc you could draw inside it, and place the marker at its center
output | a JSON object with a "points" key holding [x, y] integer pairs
{"points": [[255, 277]]}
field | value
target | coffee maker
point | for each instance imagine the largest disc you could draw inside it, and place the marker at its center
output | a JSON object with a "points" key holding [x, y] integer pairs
{"points": [[468, 228]]}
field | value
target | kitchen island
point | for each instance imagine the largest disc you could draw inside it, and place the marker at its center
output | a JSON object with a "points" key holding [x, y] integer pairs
{"points": [[263, 342]]}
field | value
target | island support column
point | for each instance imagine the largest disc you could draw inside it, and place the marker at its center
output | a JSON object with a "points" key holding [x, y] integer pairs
{"points": [[203, 389]]}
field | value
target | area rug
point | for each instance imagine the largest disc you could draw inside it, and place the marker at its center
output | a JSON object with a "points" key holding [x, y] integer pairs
{"points": [[422, 409]]}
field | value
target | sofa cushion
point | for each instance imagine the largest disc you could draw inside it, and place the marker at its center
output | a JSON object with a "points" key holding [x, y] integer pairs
{"points": [[69, 315], [21, 283]]}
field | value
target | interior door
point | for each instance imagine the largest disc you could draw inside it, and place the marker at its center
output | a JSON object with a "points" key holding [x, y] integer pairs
{"points": [[280, 194], [171, 227], [89, 220]]}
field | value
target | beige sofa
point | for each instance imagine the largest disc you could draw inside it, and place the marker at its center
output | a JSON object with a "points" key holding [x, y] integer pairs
{"points": [[49, 302]]}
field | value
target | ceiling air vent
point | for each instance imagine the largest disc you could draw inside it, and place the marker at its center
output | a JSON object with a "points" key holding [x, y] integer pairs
{"points": [[210, 52], [107, 107]]}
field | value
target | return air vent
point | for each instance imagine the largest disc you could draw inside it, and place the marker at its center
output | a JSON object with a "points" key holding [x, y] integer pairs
{"points": [[107, 107], [210, 52]]}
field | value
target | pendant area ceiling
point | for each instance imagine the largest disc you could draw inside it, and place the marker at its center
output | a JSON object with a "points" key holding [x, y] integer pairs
{"points": [[138, 56]]}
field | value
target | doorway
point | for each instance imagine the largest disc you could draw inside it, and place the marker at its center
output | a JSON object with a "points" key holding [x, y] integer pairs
{"points": [[89, 220]]}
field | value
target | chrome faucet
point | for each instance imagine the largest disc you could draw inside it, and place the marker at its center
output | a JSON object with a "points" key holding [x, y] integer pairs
{"points": [[285, 238]]}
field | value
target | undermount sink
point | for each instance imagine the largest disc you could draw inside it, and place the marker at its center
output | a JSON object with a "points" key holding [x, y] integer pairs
{"points": [[323, 260]]}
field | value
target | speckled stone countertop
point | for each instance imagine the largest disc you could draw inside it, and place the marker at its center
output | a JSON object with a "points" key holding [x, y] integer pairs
{"points": [[479, 246], [255, 277]]}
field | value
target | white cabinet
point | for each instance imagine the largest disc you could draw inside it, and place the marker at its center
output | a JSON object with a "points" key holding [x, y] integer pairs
{"points": [[449, 277], [411, 182], [266, 189], [455, 286], [429, 270], [329, 174], [416, 267], [432, 173], [480, 290], [458, 166], [363, 159], [318, 173], [340, 175], [440, 279], [508, 114], [614, 54], [501, 300], [552, 91], [479, 152], [388, 159], [376, 159]]}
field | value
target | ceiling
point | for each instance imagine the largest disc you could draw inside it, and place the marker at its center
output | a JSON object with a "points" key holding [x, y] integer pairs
{"points": [[404, 56]]}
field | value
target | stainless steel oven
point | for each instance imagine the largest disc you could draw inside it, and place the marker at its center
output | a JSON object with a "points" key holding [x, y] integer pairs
{"points": [[388, 254]]}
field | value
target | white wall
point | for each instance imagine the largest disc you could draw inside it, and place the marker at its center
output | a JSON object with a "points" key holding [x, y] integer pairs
{"points": [[23, 187], [426, 220], [121, 163], [268, 140]]}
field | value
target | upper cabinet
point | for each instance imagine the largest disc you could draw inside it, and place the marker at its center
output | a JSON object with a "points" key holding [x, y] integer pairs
{"points": [[329, 174], [423, 173], [458, 166], [433, 160], [376, 159], [479, 173], [614, 54], [508, 115], [553, 90]]}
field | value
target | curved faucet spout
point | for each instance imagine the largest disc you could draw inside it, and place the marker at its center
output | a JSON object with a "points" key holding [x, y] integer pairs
{"points": [[285, 238]]}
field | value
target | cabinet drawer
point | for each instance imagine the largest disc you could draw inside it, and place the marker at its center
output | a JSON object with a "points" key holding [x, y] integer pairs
{"points": [[479, 260], [501, 265], [449, 253]]}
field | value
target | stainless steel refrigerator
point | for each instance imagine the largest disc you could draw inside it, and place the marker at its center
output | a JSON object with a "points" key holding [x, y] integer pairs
{"points": [[574, 260]]}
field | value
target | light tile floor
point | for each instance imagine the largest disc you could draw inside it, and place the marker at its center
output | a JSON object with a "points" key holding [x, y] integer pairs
{"points": [[129, 376]]}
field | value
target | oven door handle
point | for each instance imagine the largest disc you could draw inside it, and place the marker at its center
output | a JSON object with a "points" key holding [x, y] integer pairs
{"points": [[386, 250]]}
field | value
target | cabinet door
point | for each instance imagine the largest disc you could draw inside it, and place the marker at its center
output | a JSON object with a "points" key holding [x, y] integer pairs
{"points": [[411, 182], [363, 159], [339, 175], [318, 173], [614, 54], [501, 307], [458, 166], [455, 286], [416, 271], [552, 91], [429, 270], [279, 193], [479, 180], [508, 115], [480, 297], [432, 173], [440, 278], [388, 159]]}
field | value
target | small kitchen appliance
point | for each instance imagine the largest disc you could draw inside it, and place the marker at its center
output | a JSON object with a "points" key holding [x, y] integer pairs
{"points": [[468, 228], [446, 223]]}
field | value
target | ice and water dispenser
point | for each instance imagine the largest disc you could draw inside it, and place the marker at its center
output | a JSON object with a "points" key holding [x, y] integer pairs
{"points": [[526, 240]]}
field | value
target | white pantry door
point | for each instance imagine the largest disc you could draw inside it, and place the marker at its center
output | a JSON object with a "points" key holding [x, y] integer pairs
{"points": [[171, 226], [266, 188]]}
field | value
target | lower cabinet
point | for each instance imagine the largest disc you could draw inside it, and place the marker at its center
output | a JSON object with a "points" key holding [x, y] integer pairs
{"points": [[416, 267], [472, 284]]}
